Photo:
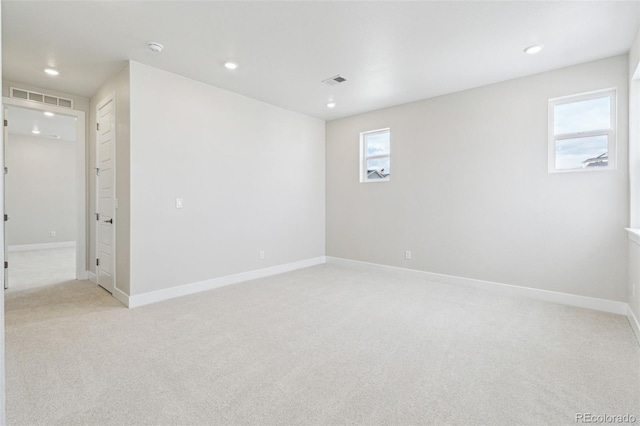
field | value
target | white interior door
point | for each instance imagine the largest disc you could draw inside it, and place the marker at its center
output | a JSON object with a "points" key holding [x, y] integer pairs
{"points": [[106, 192]]}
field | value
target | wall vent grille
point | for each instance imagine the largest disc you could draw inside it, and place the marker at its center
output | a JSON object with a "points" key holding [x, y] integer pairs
{"points": [[40, 98]]}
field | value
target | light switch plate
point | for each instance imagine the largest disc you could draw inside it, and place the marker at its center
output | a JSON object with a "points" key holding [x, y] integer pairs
{"points": [[179, 203]]}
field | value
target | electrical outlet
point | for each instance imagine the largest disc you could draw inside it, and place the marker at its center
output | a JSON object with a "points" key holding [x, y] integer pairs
{"points": [[261, 255], [52, 233], [407, 254], [179, 203]]}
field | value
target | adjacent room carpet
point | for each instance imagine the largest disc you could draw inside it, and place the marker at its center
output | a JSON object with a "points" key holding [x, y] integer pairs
{"points": [[37, 268], [326, 345]]}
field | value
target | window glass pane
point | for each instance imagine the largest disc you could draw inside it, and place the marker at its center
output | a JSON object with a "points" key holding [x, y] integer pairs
{"points": [[378, 168], [582, 116], [377, 144], [582, 153]]}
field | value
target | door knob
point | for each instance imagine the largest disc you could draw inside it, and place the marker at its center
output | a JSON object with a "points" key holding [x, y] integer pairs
{"points": [[109, 221]]}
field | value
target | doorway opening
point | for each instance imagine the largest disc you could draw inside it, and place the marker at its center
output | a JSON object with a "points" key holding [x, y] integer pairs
{"points": [[45, 195]]}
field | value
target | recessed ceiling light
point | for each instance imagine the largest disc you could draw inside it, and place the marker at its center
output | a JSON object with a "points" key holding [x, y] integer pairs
{"points": [[155, 47], [532, 50], [51, 71], [230, 65], [331, 104], [49, 114], [35, 131]]}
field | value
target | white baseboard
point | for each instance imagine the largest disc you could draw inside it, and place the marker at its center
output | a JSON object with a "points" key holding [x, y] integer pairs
{"points": [[183, 290], [633, 320], [596, 304], [121, 296], [46, 246]]}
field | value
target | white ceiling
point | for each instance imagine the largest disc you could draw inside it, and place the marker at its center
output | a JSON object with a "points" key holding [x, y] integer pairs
{"points": [[390, 52], [23, 120]]}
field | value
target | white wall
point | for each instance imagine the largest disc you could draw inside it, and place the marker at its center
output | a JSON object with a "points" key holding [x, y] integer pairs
{"points": [[470, 195], [634, 132], [633, 297], [118, 85], [41, 190], [2, 374], [251, 176]]}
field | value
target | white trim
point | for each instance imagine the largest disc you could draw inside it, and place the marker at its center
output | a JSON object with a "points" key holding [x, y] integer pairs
{"points": [[121, 296], [612, 93], [587, 134], [364, 178], [117, 293], [3, 405], [12, 96], [634, 235], [84, 275], [633, 321], [81, 174], [111, 97], [44, 246], [5, 241], [197, 287], [596, 304], [585, 96]]}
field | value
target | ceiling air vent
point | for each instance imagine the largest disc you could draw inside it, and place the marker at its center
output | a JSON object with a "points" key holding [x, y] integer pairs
{"points": [[336, 79], [40, 98]]}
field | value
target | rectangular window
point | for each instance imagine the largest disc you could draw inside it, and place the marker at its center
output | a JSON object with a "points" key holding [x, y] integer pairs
{"points": [[582, 132], [375, 155]]}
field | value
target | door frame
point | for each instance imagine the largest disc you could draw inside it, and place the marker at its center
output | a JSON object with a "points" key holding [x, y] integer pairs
{"points": [[81, 176], [5, 242], [111, 97]]}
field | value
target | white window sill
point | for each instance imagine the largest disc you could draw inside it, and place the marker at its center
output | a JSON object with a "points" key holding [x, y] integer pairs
{"points": [[634, 234], [375, 180]]}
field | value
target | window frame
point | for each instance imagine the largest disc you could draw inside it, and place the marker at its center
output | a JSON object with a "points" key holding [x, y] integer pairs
{"points": [[364, 157], [610, 132]]}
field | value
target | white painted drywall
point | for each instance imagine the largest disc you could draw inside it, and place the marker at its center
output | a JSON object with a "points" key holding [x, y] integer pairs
{"points": [[634, 132], [633, 297], [2, 234], [118, 84], [251, 177], [470, 194], [41, 190]]}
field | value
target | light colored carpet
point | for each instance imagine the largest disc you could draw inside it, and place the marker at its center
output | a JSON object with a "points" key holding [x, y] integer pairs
{"points": [[37, 268], [324, 345]]}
